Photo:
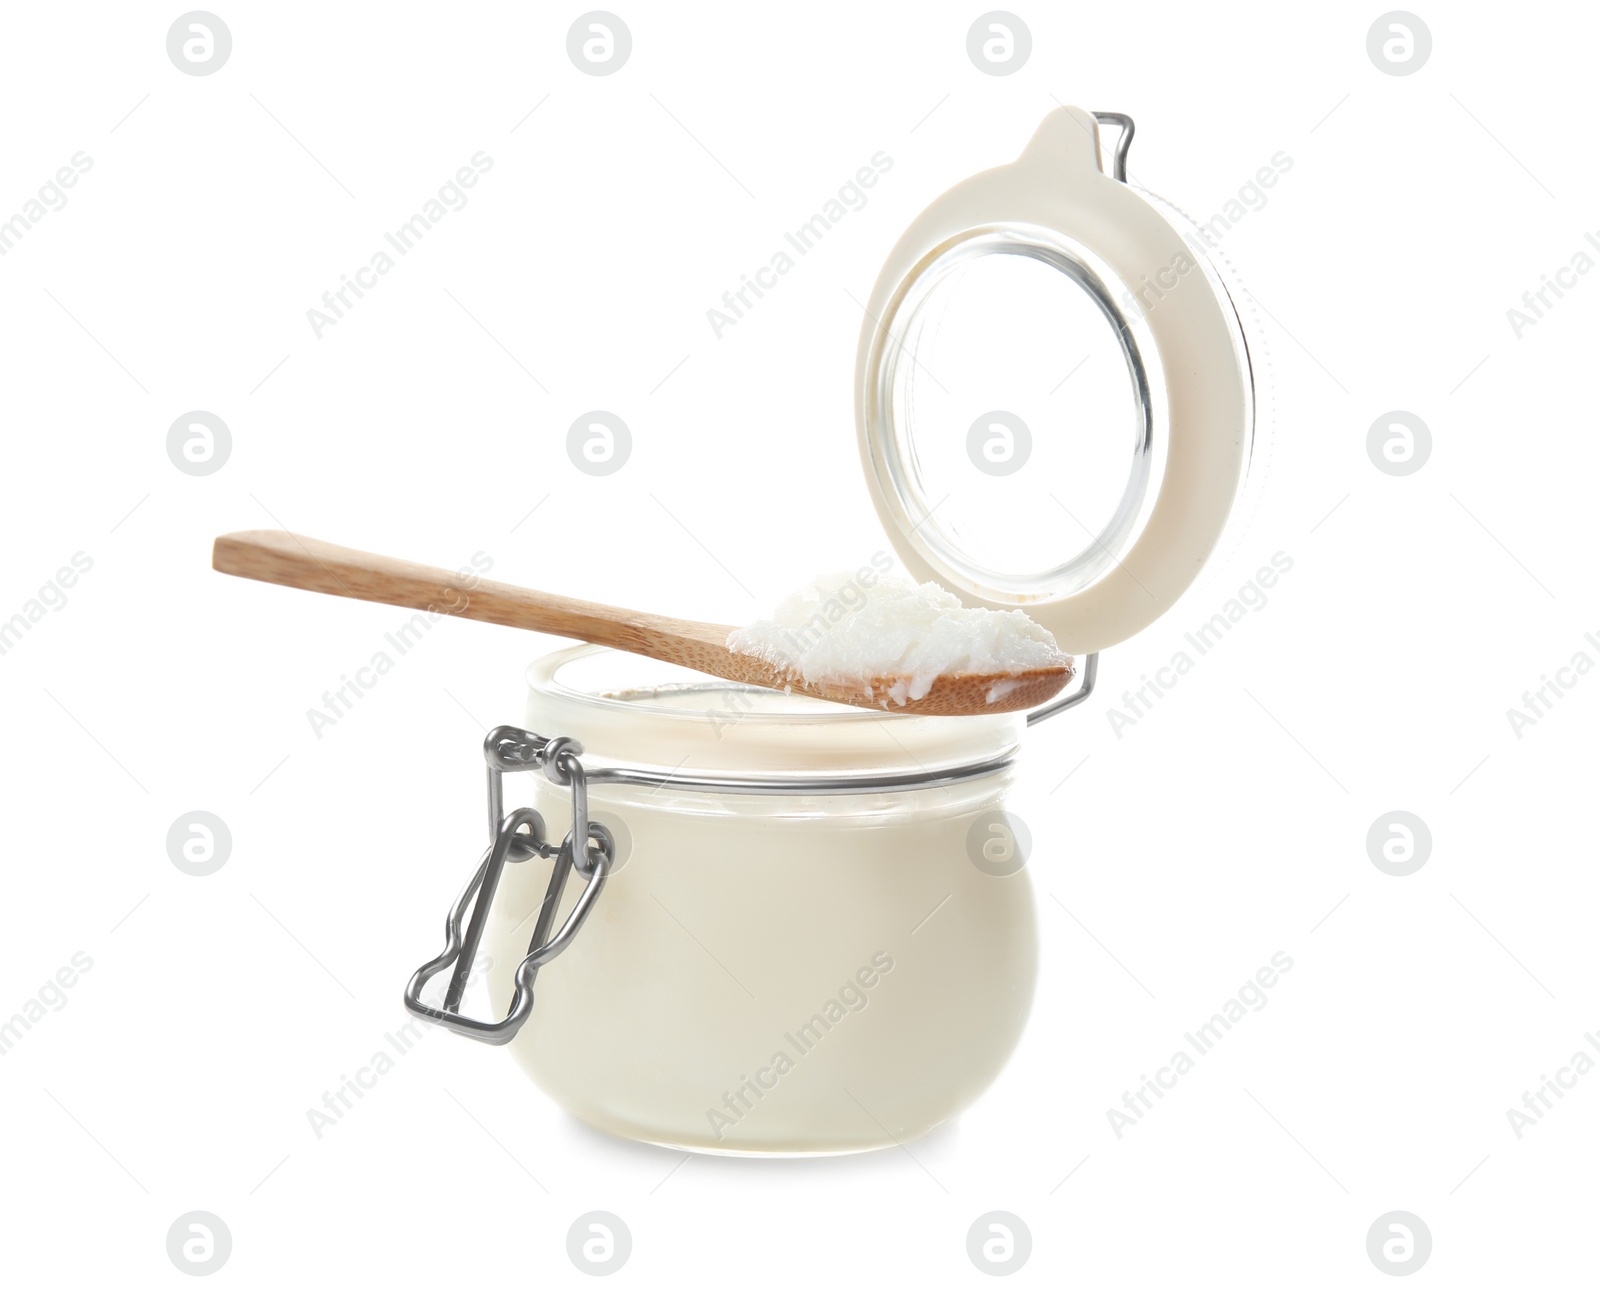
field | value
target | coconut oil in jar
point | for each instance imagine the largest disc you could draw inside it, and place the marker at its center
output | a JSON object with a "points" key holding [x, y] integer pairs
{"points": [[786, 958]]}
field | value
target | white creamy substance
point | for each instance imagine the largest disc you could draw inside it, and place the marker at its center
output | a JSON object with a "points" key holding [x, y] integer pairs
{"points": [[850, 629]]}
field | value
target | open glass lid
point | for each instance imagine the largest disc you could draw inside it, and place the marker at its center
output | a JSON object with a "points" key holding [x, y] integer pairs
{"points": [[1053, 394]]}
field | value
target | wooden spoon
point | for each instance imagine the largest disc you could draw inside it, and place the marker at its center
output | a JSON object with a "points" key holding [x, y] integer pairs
{"points": [[289, 560]]}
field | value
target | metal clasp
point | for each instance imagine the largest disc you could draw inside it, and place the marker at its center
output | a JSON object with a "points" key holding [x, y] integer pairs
{"points": [[514, 837], [1091, 669]]}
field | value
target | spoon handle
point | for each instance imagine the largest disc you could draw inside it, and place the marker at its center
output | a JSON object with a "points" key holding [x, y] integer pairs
{"points": [[311, 565]]}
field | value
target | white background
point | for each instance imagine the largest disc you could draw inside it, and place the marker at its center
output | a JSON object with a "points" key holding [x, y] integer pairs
{"points": [[1228, 824]]}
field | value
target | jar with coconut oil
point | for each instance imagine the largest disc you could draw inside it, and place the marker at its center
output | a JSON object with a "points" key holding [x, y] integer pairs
{"points": [[801, 928], [786, 959]]}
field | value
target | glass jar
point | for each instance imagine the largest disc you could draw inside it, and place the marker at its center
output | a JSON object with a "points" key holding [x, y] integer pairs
{"points": [[815, 933], [785, 963]]}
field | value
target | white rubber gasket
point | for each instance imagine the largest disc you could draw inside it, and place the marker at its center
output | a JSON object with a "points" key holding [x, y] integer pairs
{"points": [[1174, 326]]}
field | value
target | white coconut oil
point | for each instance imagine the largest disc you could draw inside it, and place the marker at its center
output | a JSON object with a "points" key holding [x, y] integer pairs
{"points": [[853, 629]]}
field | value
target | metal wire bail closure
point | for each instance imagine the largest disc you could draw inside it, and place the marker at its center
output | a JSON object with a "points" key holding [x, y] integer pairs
{"points": [[516, 836]]}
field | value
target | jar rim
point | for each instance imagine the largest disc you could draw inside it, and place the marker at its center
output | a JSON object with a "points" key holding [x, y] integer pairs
{"points": [[700, 732]]}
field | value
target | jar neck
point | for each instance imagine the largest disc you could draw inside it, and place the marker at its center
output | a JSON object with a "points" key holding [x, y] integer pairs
{"points": [[645, 722]]}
